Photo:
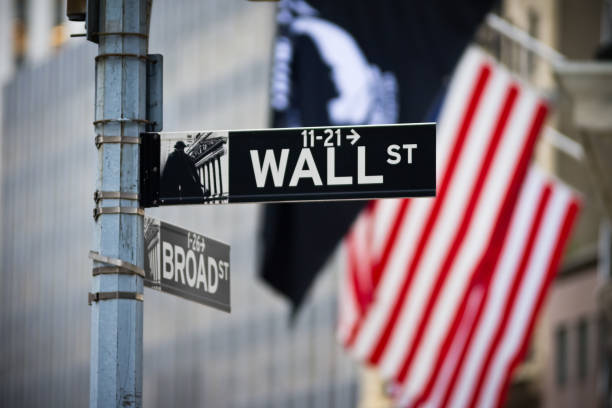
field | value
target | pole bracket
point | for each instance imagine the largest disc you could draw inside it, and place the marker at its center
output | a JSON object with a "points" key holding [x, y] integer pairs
{"points": [[100, 140], [121, 55], [150, 169], [121, 33], [114, 270], [99, 296], [98, 211], [114, 195], [119, 120], [122, 265]]}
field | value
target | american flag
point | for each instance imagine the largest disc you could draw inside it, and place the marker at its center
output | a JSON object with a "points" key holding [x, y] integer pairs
{"points": [[441, 294]]}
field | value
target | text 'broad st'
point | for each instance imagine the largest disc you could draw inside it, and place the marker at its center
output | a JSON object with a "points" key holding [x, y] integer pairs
{"points": [[187, 264]]}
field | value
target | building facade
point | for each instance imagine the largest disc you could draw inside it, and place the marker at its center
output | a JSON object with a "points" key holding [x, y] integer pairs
{"points": [[568, 363]]}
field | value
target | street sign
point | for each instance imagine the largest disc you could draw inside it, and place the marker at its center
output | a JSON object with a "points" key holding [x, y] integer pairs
{"points": [[298, 164], [187, 264]]}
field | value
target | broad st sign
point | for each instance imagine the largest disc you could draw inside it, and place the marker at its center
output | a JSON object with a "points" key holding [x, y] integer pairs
{"points": [[187, 264], [301, 164]]}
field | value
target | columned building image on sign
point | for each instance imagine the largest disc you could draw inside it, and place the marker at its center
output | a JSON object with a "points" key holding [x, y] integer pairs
{"points": [[433, 300]]}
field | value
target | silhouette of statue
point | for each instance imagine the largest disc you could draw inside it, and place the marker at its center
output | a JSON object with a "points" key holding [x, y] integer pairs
{"points": [[180, 177]]}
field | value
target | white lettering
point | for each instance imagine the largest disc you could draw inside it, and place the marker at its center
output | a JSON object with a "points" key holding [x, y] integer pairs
{"points": [[192, 268], [332, 180], [212, 273], [392, 150], [362, 178], [269, 165], [409, 148], [201, 274], [179, 263], [167, 255], [225, 269], [305, 158]]}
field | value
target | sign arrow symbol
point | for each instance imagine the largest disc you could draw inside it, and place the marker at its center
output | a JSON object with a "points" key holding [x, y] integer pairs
{"points": [[353, 137]]}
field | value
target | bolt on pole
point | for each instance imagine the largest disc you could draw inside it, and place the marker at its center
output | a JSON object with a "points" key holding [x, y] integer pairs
{"points": [[120, 108]]}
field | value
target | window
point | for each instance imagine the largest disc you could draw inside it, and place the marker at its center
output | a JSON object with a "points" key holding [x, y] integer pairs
{"points": [[582, 363], [561, 355]]}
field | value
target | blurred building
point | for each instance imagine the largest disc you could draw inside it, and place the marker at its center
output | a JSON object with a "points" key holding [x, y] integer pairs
{"points": [[216, 55], [568, 362], [553, 45]]}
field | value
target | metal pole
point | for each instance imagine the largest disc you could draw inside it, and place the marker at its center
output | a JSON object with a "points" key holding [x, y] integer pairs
{"points": [[116, 323]]}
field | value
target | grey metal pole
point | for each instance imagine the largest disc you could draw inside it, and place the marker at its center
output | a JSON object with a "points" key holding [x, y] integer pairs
{"points": [[116, 307]]}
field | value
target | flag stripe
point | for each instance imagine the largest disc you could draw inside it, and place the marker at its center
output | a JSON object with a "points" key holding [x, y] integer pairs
{"points": [[477, 242], [461, 233], [544, 199], [483, 77], [504, 274], [568, 223], [482, 277], [358, 290], [454, 281], [519, 304], [381, 264], [414, 224], [447, 225], [492, 253], [353, 296], [524, 306], [356, 279], [382, 222]]}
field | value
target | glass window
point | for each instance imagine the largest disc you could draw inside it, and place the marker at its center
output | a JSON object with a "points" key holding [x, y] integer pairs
{"points": [[561, 355], [582, 349]]}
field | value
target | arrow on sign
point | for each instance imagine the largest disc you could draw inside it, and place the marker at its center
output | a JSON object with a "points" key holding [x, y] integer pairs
{"points": [[353, 137]]}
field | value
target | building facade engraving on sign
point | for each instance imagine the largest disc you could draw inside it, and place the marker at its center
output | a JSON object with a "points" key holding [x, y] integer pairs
{"points": [[194, 165]]}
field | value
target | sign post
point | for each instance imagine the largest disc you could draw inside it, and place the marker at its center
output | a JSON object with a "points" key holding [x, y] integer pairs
{"points": [[301, 164], [121, 28]]}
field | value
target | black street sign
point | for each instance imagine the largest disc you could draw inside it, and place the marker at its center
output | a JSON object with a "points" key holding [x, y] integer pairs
{"points": [[299, 164], [187, 264]]}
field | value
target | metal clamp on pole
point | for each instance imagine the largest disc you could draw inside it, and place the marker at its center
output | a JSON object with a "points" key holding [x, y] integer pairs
{"points": [[114, 195], [120, 120], [121, 33], [100, 140], [98, 211], [98, 296], [123, 265], [113, 270], [121, 55]]}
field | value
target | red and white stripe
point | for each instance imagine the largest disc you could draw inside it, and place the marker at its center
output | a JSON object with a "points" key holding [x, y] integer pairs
{"points": [[356, 286], [491, 330], [431, 259], [359, 278]]}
